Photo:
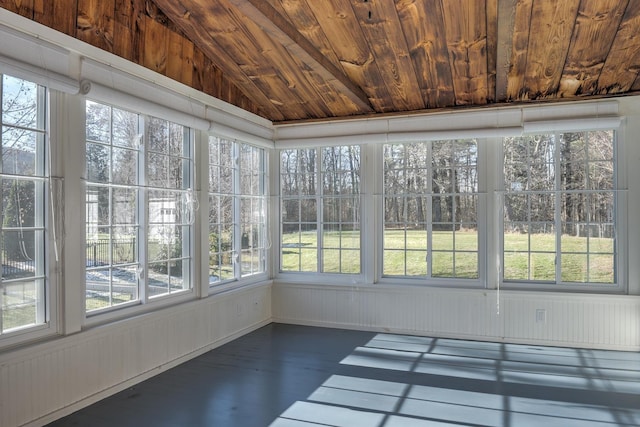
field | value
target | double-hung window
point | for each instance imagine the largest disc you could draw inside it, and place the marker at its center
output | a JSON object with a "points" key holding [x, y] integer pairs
{"points": [[431, 204], [237, 210], [138, 207], [320, 210], [24, 181], [559, 219]]}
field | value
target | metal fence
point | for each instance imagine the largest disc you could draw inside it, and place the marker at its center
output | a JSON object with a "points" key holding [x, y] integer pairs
{"points": [[16, 268], [124, 250]]}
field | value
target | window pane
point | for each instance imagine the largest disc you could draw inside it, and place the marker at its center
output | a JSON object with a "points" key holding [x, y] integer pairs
{"points": [[516, 266], [98, 201], [395, 238], [574, 268], [442, 264], [176, 142], [416, 239], [424, 185], [98, 163], [124, 245], [298, 172], [308, 259], [20, 102], [98, 124], [107, 287], [394, 262], [125, 129], [124, 166], [290, 211], [238, 219], [124, 206], [350, 261], [166, 207], [158, 135], [579, 220], [113, 235], [20, 303], [466, 265], [23, 227], [158, 278], [331, 236], [442, 240], [290, 257], [543, 266], [20, 151], [466, 238], [542, 238], [416, 210], [331, 261], [336, 183], [601, 268], [158, 170], [416, 263], [20, 253]]}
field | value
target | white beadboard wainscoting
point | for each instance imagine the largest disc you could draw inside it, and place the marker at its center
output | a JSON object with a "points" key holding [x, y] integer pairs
{"points": [[43, 382], [557, 319]]}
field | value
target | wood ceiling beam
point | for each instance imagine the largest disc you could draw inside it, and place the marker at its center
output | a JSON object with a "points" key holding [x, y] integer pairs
{"points": [[200, 37], [271, 21], [506, 21]]}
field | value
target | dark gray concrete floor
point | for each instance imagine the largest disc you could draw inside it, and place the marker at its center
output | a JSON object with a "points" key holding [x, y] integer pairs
{"points": [[285, 375]]}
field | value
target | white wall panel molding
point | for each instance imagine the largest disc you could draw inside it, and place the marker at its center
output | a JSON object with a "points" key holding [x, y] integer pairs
{"points": [[560, 319], [43, 382], [479, 123]]}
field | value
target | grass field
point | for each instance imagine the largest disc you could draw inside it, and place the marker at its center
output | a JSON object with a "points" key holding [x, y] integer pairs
{"points": [[526, 258], [455, 255]]}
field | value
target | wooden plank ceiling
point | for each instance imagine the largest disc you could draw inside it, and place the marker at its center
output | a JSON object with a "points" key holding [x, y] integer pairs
{"points": [[292, 60]]}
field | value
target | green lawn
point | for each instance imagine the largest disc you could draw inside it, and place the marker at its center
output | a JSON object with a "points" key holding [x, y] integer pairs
{"points": [[455, 255], [583, 259], [18, 305]]}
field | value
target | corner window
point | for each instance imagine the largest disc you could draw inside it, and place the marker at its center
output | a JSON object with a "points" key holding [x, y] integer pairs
{"points": [[431, 210], [237, 210], [559, 221], [23, 183], [138, 207], [320, 210]]}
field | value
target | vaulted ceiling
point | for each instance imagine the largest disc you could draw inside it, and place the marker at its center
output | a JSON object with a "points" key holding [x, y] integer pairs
{"points": [[333, 58], [293, 60]]}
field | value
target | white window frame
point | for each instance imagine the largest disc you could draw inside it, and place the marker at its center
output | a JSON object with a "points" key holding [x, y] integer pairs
{"points": [[145, 302], [480, 194], [620, 223], [46, 196], [239, 276], [318, 197]]}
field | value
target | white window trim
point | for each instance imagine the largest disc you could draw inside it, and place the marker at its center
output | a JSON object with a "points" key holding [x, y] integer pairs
{"points": [[452, 282], [238, 281], [51, 223], [143, 304], [594, 115], [621, 244], [366, 267]]}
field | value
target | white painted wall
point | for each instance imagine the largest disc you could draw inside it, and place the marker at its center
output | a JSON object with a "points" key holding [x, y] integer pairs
{"points": [[41, 383], [569, 319], [630, 108]]}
